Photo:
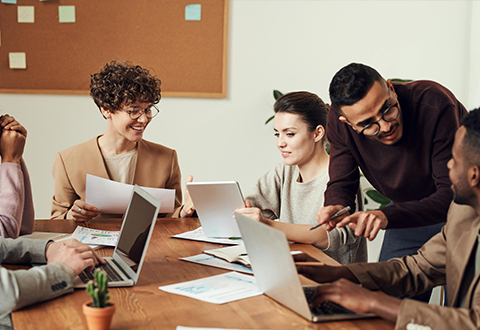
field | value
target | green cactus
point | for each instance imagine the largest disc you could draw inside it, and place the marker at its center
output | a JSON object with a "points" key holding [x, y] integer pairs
{"points": [[98, 289]]}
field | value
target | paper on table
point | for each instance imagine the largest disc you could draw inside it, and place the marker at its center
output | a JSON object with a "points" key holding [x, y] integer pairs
{"points": [[199, 235], [95, 236], [209, 260], [217, 289], [113, 197], [236, 253]]}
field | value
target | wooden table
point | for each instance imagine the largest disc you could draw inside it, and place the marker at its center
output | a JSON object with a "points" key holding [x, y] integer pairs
{"points": [[144, 306]]}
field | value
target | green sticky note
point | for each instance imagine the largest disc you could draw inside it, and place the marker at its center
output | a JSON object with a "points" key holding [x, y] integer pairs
{"points": [[66, 14], [193, 12], [13, 2]]}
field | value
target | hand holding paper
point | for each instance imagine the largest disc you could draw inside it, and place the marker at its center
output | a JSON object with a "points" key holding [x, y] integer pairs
{"points": [[112, 197]]}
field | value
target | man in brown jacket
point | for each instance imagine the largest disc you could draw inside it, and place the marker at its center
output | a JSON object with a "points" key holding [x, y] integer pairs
{"points": [[452, 257]]}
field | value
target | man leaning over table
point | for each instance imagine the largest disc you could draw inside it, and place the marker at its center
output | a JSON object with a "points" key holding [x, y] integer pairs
{"points": [[451, 257], [19, 288], [16, 203], [400, 135]]}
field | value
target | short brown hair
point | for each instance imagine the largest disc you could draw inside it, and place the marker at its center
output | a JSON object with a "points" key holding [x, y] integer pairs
{"points": [[123, 82]]}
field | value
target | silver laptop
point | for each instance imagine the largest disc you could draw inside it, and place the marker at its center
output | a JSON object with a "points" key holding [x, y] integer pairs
{"points": [[123, 268], [277, 276], [215, 203]]}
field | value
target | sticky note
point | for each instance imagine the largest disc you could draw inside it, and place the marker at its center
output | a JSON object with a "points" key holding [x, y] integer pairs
{"points": [[66, 14], [193, 12], [26, 14], [17, 60], [13, 2]]}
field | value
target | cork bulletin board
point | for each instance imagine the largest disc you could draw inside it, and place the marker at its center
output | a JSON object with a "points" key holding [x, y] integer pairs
{"points": [[183, 42]]}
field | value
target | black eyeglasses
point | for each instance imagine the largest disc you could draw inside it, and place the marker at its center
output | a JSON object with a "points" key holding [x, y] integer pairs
{"points": [[137, 113], [390, 114]]}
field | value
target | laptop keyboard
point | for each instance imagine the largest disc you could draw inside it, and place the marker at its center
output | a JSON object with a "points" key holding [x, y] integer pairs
{"points": [[112, 274], [325, 308]]}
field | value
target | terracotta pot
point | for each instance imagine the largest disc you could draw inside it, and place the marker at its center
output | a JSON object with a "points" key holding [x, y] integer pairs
{"points": [[98, 318]]}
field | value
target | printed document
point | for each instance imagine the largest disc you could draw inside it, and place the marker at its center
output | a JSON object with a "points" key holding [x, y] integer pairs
{"points": [[113, 197], [199, 235], [217, 289], [95, 236]]}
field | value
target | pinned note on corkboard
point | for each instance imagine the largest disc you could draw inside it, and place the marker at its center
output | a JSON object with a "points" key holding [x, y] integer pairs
{"points": [[65, 41]]}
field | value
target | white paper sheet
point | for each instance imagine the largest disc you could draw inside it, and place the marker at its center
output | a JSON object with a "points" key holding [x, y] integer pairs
{"points": [[206, 259], [217, 289], [199, 235], [92, 236], [113, 197]]}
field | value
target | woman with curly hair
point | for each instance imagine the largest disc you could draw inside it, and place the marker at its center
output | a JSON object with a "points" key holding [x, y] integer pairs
{"points": [[126, 95]]}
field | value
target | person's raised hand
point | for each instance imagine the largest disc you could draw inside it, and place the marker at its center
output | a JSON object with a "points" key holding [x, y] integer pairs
{"points": [[9, 123], [12, 139], [12, 144], [188, 207], [82, 212]]}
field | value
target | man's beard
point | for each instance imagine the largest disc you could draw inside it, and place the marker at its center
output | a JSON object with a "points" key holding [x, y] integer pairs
{"points": [[461, 198]]}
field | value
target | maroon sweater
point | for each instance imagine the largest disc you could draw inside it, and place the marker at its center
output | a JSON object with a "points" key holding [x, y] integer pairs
{"points": [[413, 172]]}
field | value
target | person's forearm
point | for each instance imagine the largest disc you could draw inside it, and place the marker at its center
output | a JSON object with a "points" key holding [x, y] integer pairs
{"points": [[385, 306], [301, 234], [28, 210], [12, 197]]}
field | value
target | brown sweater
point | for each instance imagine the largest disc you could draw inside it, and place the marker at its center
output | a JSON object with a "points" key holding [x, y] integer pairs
{"points": [[413, 172]]}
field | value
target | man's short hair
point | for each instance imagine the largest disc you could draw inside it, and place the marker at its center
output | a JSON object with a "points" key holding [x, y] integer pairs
{"points": [[471, 142], [351, 84]]}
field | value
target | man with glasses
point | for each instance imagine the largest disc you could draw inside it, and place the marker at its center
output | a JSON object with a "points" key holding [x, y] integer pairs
{"points": [[400, 135], [126, 96]]}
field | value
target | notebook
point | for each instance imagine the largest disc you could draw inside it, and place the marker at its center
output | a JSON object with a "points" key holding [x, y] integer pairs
{"points": [[215, 203], [276, 274], [131, 247]]}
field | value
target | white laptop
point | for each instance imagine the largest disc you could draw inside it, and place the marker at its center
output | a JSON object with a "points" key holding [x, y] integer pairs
{"points": [[131, 247], [277, 276], [215, 203]]}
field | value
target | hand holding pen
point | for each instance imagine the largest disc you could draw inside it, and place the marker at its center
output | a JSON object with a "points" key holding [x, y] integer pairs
{"points": [[336, 215]]}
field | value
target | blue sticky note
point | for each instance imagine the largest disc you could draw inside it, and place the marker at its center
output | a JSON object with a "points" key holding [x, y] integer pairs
{"points": [[13, 2], [193, 12], [66, 14]]}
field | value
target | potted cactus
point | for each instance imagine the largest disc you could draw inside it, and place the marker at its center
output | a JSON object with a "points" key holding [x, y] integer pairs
{"points": [[98, 313]]}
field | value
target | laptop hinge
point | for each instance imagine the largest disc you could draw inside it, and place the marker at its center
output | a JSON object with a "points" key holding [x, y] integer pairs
{"points": [[123, 271]]}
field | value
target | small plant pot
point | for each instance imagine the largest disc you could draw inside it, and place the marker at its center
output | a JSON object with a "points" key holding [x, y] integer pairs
{"points": [[98, 318]]}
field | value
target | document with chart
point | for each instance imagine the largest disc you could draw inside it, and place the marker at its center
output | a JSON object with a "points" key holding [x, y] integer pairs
{"points": [[217, 289]]}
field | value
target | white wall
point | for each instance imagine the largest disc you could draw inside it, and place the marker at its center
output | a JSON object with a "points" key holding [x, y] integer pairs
{"points": [[285, 45]]}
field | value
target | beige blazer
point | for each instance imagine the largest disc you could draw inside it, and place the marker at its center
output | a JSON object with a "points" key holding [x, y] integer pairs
{"points": [[156, 166], [442, 260]]}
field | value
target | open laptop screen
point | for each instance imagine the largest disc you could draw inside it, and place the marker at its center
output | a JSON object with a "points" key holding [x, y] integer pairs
{"points": [[136, 228]]}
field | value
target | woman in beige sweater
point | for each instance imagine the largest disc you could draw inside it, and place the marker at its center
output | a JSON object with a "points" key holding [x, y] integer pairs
{"points": [[287, 197]]}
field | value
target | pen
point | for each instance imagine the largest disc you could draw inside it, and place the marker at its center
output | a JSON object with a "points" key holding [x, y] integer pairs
{"points": [[336, 215]]}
